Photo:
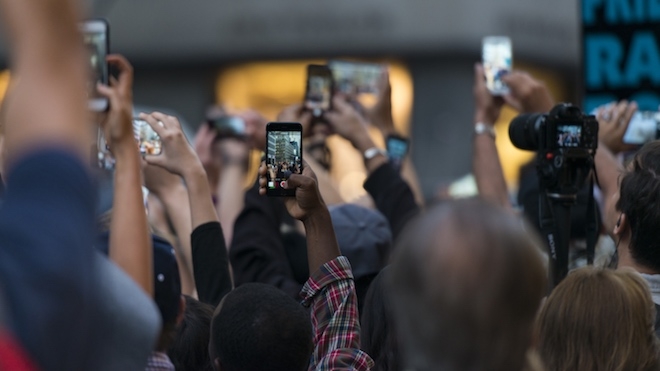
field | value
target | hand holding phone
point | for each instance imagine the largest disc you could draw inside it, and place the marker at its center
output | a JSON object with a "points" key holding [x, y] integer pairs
{"points": [[318, 94], [497, 62], [97, 43], [283, 156]]}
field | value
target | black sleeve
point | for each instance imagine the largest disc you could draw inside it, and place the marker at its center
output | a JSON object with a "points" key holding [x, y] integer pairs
{"points": [[210, 265], [257, 251], [393, 197]]}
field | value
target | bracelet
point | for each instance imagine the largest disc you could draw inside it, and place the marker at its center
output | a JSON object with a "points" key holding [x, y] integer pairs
{"points": [[373, 152], [481, 128]]}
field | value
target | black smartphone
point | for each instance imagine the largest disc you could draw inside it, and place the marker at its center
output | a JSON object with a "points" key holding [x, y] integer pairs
{"points": [[318, 95], [283, 156], [97, 43], [228, 126], [397, 149]]}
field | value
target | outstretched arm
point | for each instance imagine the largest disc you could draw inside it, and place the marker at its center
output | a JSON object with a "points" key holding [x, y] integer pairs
{"points": [[130, 242], [48, 98]]}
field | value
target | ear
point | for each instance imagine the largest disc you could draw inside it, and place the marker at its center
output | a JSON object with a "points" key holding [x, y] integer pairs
{"points": [[182, 310], [621, 225]]}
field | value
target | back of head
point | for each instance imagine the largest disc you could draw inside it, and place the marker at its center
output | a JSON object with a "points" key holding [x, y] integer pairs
{"points": [[378, 337], [259, 327], [190, 350], [599, 319], [639, 200], [467, 281]]}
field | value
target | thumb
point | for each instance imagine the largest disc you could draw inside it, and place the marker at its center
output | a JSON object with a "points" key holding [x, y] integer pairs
{"points": [[300, 181], [157, 160]]}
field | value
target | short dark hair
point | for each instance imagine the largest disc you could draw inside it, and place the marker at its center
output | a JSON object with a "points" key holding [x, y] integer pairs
{"points": [[190, 349], [260, 328], [378, 337], [640, 201]]}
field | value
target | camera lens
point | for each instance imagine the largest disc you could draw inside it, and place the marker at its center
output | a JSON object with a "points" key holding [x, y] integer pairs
{"points": [[524, 131]]}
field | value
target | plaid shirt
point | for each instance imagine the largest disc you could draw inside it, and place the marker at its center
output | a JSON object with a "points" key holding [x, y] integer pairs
{"points": [[159, 361], [330, 292]]}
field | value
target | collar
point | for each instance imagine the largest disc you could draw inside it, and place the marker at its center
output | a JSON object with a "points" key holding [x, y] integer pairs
{"points": [[654, 284]]}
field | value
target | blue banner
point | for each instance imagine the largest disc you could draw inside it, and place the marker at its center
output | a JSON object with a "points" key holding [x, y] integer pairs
{"points": [[621, 52]]}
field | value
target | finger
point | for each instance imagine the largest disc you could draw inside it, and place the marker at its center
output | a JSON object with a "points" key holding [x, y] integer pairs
{"points": [[307, 170], [479, 76], [384, 85], [155, 160], [154, 123], [618, 112], [125, 70], [627, 116], [170, 121], [263, 169], [300, 181], [109, 93], [112, 81]]}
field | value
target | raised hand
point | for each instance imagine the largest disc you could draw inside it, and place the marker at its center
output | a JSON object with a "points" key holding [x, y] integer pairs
{"points": [[613, 121], [526, 94]]}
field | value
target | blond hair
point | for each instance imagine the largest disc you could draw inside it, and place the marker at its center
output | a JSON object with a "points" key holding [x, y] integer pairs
{"points": [[599, 319]]}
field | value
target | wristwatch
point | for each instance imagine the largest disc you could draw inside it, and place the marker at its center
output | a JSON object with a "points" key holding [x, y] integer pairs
{"points": [[373, 152], [481, 128]]}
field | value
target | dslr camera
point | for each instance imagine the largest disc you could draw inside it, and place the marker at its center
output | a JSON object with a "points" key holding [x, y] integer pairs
{"points": [[565, 141]]}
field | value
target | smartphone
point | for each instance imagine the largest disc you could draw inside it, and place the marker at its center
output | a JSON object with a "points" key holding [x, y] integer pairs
{"points": [[397, 149], [644, 127], [497, 61], [318, 94], [228, 126], [97, 43], [283, 156], [148, 141], [355, 78]]}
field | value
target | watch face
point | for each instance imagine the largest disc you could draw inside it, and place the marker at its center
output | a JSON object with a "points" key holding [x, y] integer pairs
{"points": [[397, 148]]}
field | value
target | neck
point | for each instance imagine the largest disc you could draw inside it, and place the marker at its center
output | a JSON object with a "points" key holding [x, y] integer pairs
{"points": [[627, 261]]}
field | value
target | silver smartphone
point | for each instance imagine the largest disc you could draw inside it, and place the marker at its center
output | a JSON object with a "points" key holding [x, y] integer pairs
{"points": [[497, 58], [644, 127], [95, 36]]}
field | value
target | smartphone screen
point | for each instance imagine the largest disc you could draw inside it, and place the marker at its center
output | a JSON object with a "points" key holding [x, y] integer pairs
{"points": [[228, 126], [643, 128], [95, 36], [352, 78], [283, 156], [397, 149], [497, 62], [148, 141], [318, 95]]}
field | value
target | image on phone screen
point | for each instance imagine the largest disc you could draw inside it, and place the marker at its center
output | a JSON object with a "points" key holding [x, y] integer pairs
{"points": [[283, 157], [149, 142], [643, 128], [497, 62], [95, 37], [318, 96], [352, 78]]}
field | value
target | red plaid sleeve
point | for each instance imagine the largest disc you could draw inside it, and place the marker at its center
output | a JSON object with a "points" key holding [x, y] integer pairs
{"points": [[330, 292]]}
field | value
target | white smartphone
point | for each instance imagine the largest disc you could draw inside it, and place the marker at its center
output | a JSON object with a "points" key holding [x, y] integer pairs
{"points": [[643, 128], [497, 57], [95, 36]]}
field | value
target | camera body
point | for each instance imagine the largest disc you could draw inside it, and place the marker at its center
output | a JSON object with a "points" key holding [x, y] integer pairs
{"points": [[565, 141]]}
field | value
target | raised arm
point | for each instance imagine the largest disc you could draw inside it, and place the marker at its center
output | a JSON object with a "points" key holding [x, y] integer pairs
{"points": [[486, 164], [613, 121], [130, 242], [330, 290], [209, 252], [47, 217], [47, 59], [392, 194]]}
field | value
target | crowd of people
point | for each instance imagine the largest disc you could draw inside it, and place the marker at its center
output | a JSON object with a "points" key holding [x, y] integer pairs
{"points": [[168, 262]]}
